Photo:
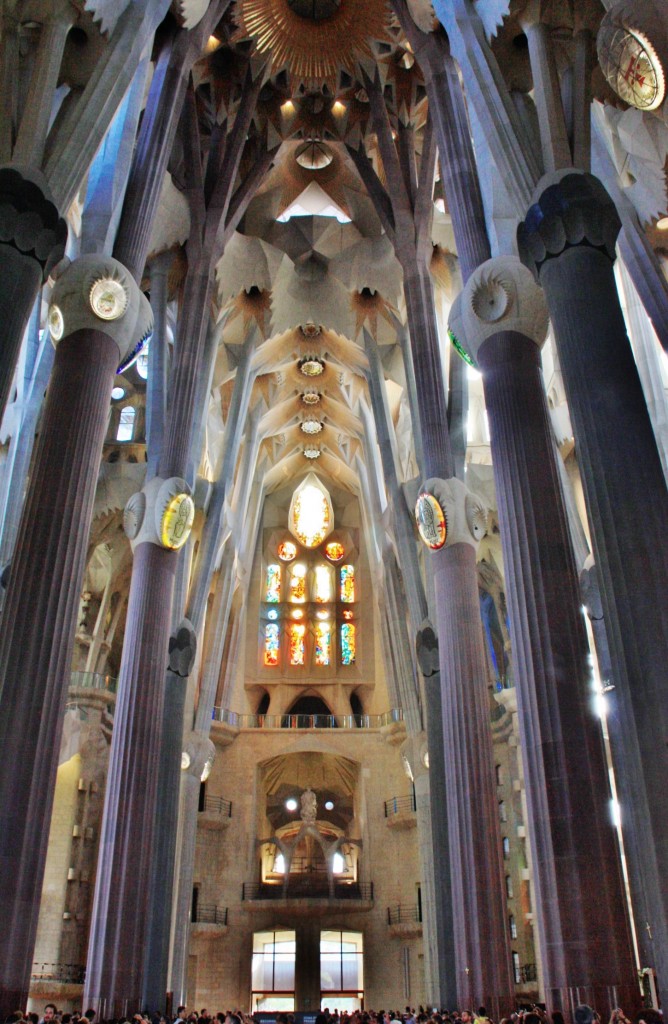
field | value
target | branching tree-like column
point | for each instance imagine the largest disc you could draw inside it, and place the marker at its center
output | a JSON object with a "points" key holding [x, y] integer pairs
{"points": [[116, 956], [501, 321], [97, 315], [568, 241], [482, 949]]}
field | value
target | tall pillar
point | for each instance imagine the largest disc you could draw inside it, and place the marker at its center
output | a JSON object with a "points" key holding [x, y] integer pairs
{"points": [[482, 959], [96, 315], [32, 241], [158, 521], [428, 660], [182, 650], [582, 927], [568, 240]]}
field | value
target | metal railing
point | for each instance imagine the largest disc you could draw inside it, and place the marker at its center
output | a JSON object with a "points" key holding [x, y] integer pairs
{"points": [[69, 974], [528, 972], [209, 913], [399, 805], [307, 888], [92, 681], [217, 805], [404, 915], [239, 721]]}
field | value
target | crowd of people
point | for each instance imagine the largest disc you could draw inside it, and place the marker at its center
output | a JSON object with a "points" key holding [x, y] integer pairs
{"points": [[525, 1015]]}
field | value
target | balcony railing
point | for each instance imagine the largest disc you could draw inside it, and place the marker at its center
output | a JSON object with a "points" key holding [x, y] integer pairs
{"points": [[217, 805], [69, 974], [307, 888], [239, 721], [209, 913], [400, 805], [404, 915], [92, 681]]}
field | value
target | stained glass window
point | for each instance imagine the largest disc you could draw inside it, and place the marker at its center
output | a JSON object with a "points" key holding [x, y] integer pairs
{"points": [[311, 515], [323, 584], [298, 584], [347, 583], [273, 584], [334, 551], [348, 645], [287, 551], [271, 637], [296, 634], [323, 643]]}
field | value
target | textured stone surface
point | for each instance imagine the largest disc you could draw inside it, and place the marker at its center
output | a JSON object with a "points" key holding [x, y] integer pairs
{"points": [[38, 634], [619, 462], [580, 913]]}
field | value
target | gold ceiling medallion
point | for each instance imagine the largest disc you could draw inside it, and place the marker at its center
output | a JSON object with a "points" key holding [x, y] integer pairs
{"points": [[313, 38], [311, 366]]}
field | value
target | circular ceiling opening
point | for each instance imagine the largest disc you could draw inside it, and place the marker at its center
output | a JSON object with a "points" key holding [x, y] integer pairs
{"points": [[314, 10]]}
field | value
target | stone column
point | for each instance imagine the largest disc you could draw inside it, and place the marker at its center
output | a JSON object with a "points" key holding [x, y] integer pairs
{"points": [[157, 521], [482, 949], [568, 240], [428, 660], [582, 927], [96, 314], [182, 650], [32, 241]]}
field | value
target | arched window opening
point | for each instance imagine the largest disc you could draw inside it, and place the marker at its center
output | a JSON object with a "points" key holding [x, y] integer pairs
{"points": [[126, 423]]}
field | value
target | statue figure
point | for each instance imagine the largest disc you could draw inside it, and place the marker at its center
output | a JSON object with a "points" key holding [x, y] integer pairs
{"points": [[308, 811]]}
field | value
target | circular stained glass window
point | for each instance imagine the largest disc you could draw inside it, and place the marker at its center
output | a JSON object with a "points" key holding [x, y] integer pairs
{"points": [[334, 551], [287, 551]]}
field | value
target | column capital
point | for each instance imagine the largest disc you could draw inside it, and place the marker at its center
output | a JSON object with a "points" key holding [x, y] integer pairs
{"points": [[29, 219], [570, 208], [97, 293], [464, 514], [500, 296], [161, 513]]}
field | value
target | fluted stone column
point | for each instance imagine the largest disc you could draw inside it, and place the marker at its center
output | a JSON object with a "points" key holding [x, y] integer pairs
{"points": [[581, 920], [428, 660], [482, 952], [39, 615], [32, 241], [182, 650], [568, 240], [115, 968]]}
